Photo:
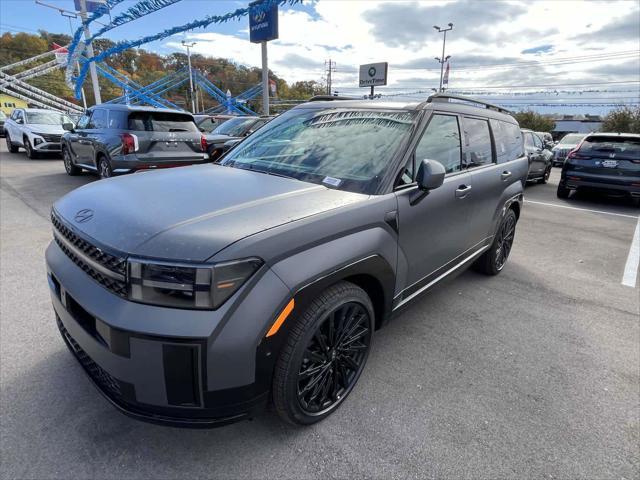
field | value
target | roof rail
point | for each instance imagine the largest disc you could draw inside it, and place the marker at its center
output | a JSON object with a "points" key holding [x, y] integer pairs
{"points": [[446, 97], [325, 98]]}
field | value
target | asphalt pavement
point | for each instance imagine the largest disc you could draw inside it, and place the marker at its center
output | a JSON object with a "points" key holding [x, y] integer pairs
{"points": [[532, 373]]}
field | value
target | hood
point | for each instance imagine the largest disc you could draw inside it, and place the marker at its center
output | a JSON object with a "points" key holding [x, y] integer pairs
{"points": [[211, 138], [42, 128], [191, 213]]}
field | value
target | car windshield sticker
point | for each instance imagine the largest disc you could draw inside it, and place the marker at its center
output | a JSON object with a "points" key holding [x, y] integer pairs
{"points": [[334, 182]]}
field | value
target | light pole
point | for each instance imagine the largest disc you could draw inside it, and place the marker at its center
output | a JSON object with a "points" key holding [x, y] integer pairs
{"points": [[189, 45], [444, 42]]}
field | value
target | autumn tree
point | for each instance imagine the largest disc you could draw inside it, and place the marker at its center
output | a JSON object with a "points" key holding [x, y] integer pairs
{"points": [[534, 121], [622, 120]]}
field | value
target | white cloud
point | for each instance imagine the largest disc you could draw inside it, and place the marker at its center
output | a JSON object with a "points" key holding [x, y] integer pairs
{"points": [[349, 32]]}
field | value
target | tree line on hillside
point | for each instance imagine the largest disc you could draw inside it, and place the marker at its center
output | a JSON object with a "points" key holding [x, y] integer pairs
{"points": [[145, 67]]}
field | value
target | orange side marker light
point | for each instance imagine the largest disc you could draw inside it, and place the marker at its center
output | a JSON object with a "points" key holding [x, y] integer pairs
{"points": [[281, 318]]}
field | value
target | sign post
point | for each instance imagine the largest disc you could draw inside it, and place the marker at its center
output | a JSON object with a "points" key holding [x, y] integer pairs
{"points": [[263, 26], [373, 74]]}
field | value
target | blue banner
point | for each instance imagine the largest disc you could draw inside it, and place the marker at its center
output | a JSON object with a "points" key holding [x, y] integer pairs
{"points": [[263, 23]]}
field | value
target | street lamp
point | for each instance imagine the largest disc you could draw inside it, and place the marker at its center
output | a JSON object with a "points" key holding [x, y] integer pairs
{"points": [[189, 45], [443, 59]]}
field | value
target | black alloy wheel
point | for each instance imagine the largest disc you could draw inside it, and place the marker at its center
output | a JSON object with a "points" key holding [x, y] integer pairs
{"points": [[334, 358], [504, 241], [70, 168], [324, 353], [545, 177], [29, 149]]}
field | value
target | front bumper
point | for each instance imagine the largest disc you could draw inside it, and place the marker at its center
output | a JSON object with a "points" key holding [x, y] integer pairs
{"points": [[186, 368], [47, 147]]}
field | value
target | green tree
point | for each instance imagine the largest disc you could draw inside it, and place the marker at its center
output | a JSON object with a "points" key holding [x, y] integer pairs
{"points": [[622, 120], [534, 121]]}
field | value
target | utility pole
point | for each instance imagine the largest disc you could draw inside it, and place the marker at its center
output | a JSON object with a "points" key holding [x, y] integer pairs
{"points": [[443, 59], [265, 79], [331, 67], [92, 65], [189, 45]]}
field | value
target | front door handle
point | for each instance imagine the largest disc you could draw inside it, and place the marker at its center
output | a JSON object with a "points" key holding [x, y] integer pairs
{"points": [[463, 190], [505, 175]]}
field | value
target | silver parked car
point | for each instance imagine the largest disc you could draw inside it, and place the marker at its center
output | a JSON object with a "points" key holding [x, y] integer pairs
{"points": [[34, 129], [566, 144]]}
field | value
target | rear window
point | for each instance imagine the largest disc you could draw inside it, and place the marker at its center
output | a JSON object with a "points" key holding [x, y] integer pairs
{"points": [[612, 147], [161, 122]]}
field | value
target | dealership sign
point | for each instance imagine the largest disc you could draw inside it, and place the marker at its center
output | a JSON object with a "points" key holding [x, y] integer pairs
{"points": [[373, 74], [263, 23]]}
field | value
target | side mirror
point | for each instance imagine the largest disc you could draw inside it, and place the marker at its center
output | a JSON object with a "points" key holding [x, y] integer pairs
{"points": [[430, 175], [19, 121], [68, 127], [201, 129]]}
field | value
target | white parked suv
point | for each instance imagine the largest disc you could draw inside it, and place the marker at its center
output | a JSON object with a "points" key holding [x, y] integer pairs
{"points": [[36, 130]]}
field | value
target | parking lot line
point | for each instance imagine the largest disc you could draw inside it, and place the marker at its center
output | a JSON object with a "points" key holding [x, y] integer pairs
{"points": [[582, 209], [633, 260]]}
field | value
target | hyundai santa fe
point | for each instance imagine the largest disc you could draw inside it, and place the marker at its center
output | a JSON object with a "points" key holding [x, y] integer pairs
{"points": [[196, 296]]}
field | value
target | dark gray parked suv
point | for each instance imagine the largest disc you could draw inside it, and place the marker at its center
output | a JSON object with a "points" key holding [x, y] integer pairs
{"points": [[111, 139], [193, 297]]}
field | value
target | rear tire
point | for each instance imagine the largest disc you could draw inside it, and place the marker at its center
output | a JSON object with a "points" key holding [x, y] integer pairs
{"points": [[104, 168], [31, 153], [10, 146], [493, 260], [563, 192], [70, 168], [545, 177], [324, 354]]}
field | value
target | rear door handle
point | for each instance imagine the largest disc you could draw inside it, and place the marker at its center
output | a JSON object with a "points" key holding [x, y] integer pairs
{"points": [[505, 175], [463, 190]]}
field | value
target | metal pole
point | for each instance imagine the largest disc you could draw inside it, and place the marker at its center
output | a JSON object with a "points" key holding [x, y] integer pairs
{"points": [[189, 45], [265, 80], [444, 42], [92, 65], [84, 98]]}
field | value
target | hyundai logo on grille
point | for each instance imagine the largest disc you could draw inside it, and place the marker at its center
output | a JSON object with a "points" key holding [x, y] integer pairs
{"points": [[84, 215]]}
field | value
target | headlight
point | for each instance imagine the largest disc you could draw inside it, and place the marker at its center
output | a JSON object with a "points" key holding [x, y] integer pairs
{"points": [[37, 141], [203, 287]]}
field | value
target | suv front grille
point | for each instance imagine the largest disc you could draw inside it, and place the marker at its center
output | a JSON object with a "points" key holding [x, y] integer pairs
{"points": [[107, 269], [49, 137], [103, 379]]}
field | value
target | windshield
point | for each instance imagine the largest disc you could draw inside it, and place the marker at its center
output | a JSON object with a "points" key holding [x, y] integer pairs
{"points": [[47, 118], [612, 147], [235, 127], [345, 149], [572, 139]]}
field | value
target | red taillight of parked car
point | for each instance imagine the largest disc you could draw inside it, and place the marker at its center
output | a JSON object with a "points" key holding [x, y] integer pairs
{"points": [[129, 143], [203, 143], [574, 153]]}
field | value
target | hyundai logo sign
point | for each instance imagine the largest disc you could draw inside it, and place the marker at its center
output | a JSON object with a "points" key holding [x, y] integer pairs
{"points": [[263, 23], [84, 215]]}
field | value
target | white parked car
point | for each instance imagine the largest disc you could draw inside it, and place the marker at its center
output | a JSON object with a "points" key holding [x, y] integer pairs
{"points": [[564, 146], [36, 130]]}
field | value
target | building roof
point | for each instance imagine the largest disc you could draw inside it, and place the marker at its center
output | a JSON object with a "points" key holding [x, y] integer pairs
{"points": [[577, 126]]}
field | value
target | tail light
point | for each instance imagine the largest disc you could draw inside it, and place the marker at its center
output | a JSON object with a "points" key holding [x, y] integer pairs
{"points": [[129, 143], [203, 143], [574, 153]]}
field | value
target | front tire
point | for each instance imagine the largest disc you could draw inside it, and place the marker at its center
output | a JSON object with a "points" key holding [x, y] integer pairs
{"points": [[70, 168], [104, 168], [545, 177], [493, 260], [10, 146], [324, 355], [31, 153]]}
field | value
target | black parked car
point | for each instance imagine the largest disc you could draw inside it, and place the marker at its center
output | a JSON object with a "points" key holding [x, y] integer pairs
{"points": [[540, 159], [605, 162], [196, 296], [110, 139], [232, 129]]}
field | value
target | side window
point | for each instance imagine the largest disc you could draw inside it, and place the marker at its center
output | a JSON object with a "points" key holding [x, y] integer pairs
{"points": [[508, 140], [117, 120], [207, 125], [408, 173], [441, 142], [256, 126], [84, 121], [536, 140], [98, 119], [478, 142], [528, 139]]}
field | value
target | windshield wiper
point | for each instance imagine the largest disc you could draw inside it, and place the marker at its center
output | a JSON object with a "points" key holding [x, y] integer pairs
{"points": [[268, 172]]}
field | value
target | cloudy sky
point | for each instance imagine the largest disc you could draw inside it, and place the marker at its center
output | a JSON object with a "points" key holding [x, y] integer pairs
{"points": [[544, 49]]}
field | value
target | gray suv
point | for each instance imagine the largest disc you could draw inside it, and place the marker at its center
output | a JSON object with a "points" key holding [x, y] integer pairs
{"points": [[196, 296], [111, 139]]}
